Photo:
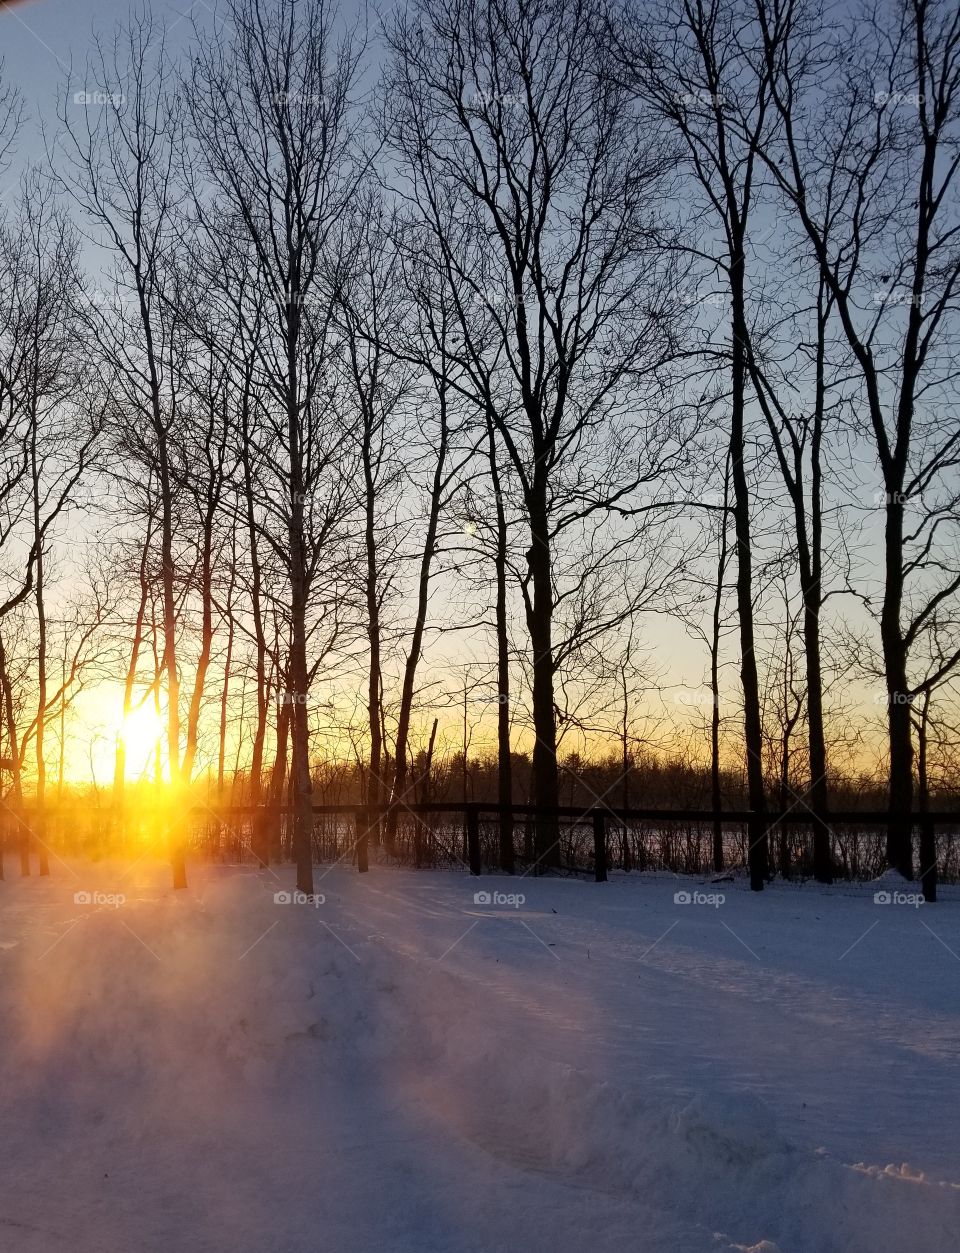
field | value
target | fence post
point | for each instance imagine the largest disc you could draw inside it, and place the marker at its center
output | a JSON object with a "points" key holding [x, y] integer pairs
{"points": [[928, 858], [600, 846], [473, 838], [717, 840], [362, 819], [417, 841], [506, 839], [757, 861]]}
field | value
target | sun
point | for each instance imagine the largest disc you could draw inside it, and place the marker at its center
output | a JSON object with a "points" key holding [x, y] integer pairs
{"points": [[98, 736], [140, 731]]}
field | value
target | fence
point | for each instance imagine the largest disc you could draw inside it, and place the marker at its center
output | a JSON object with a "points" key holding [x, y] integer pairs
{"points": [[482, 837]]}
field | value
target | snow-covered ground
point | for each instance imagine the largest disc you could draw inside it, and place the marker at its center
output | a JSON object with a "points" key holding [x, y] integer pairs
{"points": [[401, 1068]]}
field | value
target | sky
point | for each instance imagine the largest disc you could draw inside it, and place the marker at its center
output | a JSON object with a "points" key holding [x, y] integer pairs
{"points": [[39, 38], [45, 42]]}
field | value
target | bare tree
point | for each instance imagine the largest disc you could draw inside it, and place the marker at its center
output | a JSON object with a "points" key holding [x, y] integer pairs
{"points": [[271, 102], [374, 305], [46, 433], [873, 187], [521, 160], [60, 435], [119, 164], [434, 477], [687, 63], [11, 120], [933, 696]]}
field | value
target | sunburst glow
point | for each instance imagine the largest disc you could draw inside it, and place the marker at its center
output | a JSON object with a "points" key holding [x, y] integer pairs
{"points": [[141, 731]]}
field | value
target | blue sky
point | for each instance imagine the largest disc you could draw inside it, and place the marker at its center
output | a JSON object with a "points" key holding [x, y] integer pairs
{"points": [[40, 39]]}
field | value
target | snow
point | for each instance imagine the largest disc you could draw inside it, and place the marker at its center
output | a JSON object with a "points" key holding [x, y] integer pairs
{"points": [[396, 1067]]}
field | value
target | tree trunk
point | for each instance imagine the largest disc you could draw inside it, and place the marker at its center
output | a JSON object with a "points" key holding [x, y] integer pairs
{"points": [[899, 828], [225, 689], [39, 821], [256, 610], [129, 682], [300, 725], [928, 841], [374, 788], [752, 723], [15, 803], [716, 798], [274, 800], [298, 693], [539, 605], [176, 833], [625, 768], [398, 792], [504, 763], [812, 590], [206, 646]]}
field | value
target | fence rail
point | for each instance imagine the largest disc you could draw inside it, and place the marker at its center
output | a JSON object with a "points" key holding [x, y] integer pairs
{"points": [[870, 817], [483, 835], [593, 841]]}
